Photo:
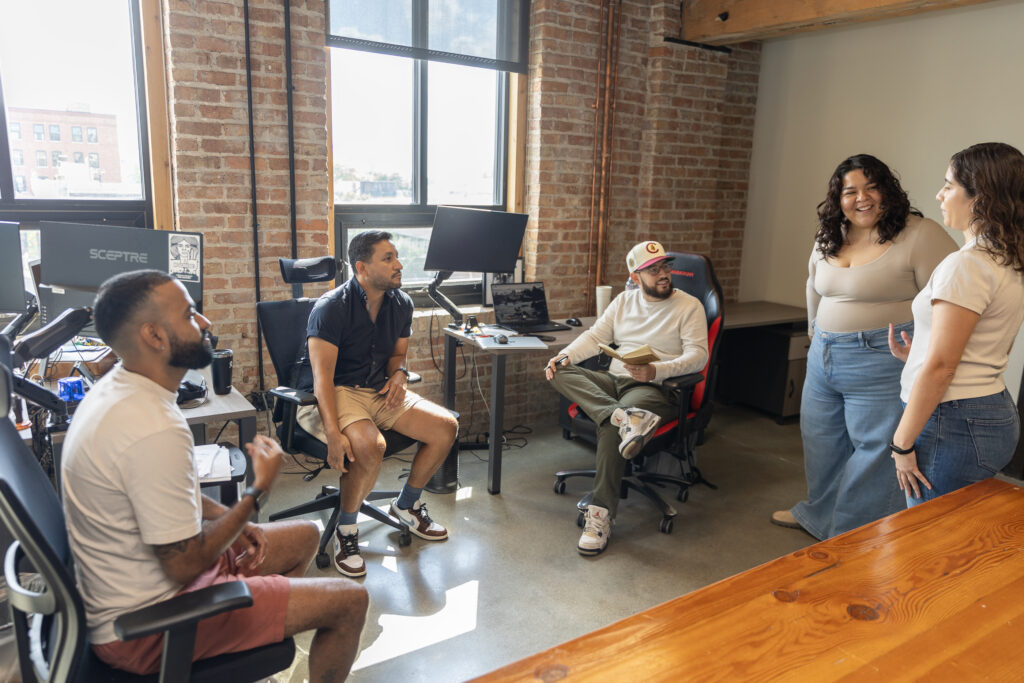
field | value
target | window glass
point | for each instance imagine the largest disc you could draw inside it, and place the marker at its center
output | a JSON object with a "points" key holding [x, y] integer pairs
{"points": [[78, 158], [76, 133], [55, 157], [19, 183], [462, 126], [372, 109], [85, 77], [94, 160], [17, 157], [40, 157], [15, 129]]}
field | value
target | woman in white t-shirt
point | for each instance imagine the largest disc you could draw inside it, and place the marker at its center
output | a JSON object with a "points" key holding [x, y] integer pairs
{"points": [[960, 424]]}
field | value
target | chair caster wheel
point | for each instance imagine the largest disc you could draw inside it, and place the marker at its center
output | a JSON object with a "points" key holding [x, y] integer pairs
{"points": [[580, 520], [404, 539], [560, 486], [566, 434], [666, 525], [683, 495], [322, 560]]}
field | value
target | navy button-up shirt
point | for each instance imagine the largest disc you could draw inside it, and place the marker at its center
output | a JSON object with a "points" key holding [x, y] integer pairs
{"points": [[364, 346]]}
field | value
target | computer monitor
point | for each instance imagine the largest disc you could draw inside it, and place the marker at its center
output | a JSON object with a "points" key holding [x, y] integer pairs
{"points": [[54, 300], [83, 256], [475, 240], [12, 279]]}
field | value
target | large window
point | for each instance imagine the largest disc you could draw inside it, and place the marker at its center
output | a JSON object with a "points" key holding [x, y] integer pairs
{"points": [[419, 117], [89, 77]]}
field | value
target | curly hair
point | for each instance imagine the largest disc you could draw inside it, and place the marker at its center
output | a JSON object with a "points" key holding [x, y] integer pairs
{"points": [[992, 173], [832, 221]]}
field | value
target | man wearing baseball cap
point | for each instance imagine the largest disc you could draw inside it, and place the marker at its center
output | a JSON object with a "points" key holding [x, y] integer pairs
{"points": [[628, 402]]}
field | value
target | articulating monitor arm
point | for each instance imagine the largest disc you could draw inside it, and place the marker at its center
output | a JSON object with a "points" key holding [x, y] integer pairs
{"points": [[442, 300]]}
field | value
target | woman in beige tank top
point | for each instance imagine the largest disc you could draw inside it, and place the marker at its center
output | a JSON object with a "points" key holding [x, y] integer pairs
{"points": [[873, 253]]}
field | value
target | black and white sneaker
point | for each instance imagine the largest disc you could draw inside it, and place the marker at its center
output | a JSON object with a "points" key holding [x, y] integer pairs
{"points": [[347, 559]]}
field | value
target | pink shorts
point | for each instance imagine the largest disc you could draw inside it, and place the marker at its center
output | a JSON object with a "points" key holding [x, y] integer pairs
{"points": [[234, 631]]}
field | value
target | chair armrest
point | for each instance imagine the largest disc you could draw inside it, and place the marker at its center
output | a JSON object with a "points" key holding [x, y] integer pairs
{"points": [[184, 609], [680, 382], [296, 396]]}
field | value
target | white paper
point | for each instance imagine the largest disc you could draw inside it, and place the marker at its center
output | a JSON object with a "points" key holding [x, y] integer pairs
{"points": [[213, 463]]}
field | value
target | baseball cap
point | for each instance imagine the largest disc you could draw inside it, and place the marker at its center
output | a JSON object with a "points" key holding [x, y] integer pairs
{"points": [[645, 254]]}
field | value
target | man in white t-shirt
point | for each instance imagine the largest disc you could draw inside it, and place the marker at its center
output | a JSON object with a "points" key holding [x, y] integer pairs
{"points": [[139, 529], [628, 402]]}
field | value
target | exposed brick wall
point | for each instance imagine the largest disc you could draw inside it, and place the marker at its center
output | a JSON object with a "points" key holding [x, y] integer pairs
{"points": [[679, 157], [205, 45]]}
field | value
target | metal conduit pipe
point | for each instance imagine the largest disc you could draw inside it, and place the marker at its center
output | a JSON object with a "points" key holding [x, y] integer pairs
{"points": [[252, 183]]}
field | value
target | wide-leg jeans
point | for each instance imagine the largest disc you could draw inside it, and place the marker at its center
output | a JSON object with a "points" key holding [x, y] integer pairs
{"points": [[848, 413], [965, 441]]}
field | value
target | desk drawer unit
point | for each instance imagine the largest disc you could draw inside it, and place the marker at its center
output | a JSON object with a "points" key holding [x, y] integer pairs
{"points": [[764, 367]]}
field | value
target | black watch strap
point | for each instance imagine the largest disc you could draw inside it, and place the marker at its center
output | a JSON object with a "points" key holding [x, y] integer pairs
{"points": [[902, 451], [402, 368], [259, 496]]}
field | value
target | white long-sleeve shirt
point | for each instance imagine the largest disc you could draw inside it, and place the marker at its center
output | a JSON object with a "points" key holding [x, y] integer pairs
{"points": [[675, 328]]}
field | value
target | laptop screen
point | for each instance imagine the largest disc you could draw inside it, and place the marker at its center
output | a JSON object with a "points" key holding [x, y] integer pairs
{"points": [[519, 303]]}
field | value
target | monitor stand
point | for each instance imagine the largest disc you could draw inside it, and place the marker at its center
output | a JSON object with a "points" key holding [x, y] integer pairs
{"points": [[442, 300]]}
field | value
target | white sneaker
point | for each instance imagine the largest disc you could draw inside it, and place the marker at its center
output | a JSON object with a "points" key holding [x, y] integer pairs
{"points": [[635, 427], [418, 521], [347, 559], [596, 530]]}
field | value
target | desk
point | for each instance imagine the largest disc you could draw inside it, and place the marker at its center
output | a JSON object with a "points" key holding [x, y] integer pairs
{"points": [[231, 406], [498, 355], [763, 358], [933, 592]]}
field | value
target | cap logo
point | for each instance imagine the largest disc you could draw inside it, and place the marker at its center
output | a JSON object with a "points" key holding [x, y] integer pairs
{"points": [[652, 248]]}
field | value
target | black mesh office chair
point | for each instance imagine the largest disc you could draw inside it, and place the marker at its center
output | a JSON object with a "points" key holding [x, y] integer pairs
{"points": [[46, 609], [284, 329], [693, 274]]}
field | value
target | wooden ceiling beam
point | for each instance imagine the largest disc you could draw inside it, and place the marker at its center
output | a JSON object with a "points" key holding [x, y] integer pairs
{"points": [[719, 22]]}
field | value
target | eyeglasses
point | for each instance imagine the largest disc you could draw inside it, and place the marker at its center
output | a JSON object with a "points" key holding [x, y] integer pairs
{"points": [[658, 268]]}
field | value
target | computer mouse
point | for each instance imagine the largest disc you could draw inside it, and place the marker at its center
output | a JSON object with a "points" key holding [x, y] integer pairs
{"points": [[545, 337], [575, 322], [501, 339]]}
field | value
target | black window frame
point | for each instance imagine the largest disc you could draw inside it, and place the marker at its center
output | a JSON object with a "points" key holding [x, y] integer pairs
{"points": [[358, 217], [123, 212]]}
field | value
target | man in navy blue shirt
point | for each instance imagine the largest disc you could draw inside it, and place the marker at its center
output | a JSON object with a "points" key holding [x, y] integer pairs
{"points": [[357, 340]]}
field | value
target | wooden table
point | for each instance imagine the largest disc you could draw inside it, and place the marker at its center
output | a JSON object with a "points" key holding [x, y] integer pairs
{"points": [[931, 593]]}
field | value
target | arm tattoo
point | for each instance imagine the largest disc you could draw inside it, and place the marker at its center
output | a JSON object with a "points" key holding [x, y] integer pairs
{"points": [[172, 550]]}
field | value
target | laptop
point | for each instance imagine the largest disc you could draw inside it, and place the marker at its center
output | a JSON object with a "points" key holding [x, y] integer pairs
{"points": [[522, 307]]}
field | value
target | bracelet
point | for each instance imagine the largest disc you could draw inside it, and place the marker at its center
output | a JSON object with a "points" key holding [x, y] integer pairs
{"points": [[902, 451]]}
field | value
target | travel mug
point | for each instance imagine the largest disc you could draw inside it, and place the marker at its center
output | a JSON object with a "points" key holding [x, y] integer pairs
{"points": [[223, 359], [604, 297]]}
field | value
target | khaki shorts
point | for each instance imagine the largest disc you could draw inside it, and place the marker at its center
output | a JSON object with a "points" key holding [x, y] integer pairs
{"points": [[353, 405]]}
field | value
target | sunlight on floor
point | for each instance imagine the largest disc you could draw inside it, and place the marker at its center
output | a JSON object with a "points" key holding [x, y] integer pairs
{"points": [[402, 635], [465, 493]]}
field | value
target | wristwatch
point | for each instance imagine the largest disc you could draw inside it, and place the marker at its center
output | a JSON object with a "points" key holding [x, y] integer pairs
{"points": [[402, 368], [902, 451], [259, 497]]}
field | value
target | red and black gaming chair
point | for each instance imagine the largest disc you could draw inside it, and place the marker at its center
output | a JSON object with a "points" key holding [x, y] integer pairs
{"points": [[693, 274]]}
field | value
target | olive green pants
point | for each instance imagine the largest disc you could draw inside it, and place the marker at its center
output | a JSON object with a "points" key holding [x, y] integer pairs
{"points": [[598, 394]]}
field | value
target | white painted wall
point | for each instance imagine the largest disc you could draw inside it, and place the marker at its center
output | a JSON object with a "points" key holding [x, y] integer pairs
{"points": [[911, 91]]}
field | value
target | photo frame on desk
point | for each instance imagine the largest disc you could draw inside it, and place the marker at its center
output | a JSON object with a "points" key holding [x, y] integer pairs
{"points": [[501, 278]]}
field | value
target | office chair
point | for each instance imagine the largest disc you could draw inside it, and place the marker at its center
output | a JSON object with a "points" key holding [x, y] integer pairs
{"points": [[284, 330], [693, 274], [46, 609]]}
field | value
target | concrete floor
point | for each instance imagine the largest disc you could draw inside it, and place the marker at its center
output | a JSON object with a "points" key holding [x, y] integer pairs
{"points": [[509, 581]]}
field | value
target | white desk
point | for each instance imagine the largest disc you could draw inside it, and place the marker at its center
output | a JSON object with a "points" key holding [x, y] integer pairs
{"points": [[453, 337]]}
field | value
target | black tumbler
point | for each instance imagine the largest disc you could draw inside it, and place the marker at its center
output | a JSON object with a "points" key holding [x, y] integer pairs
{"points": [[220, 371]]}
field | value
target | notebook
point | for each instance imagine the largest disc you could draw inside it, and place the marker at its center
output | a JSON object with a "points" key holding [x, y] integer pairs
{"points": [[522, 306]]}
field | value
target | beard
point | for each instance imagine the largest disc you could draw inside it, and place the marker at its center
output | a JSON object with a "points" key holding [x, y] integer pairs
{"points": [[386, 282], [191, 356], [653, 291]]}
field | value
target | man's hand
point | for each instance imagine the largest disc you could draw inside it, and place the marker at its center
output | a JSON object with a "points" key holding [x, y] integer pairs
{"points": [[251, 546], [266, 456], [900, 352], [553, 365], [395, 390], [339, 449], [641, 373]]}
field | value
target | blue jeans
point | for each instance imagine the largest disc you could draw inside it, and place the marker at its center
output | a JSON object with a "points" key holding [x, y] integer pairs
{"points": [[966, 441], [848, 412]]}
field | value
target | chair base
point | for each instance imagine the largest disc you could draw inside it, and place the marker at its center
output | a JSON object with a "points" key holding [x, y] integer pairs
{"points": [[641, 483], [329, 498]]}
